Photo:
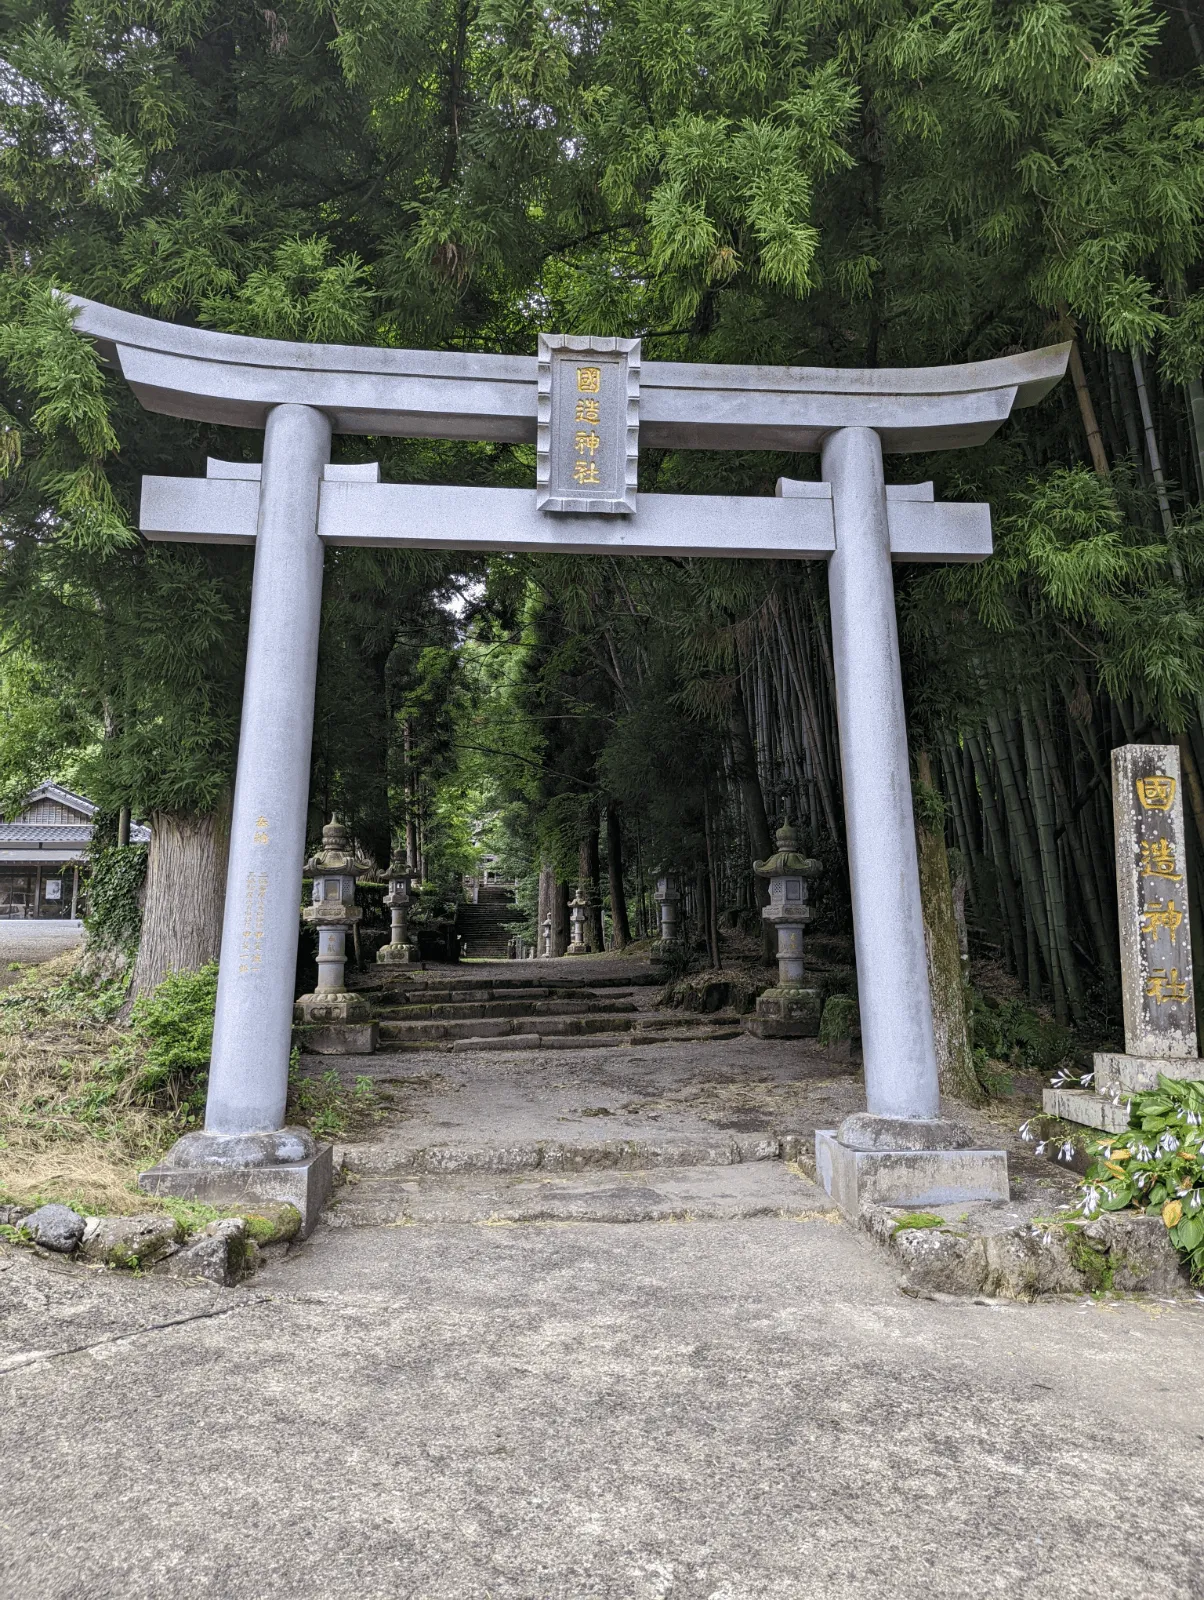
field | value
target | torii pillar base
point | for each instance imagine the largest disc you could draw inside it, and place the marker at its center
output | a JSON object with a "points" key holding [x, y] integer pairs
{"points": [[231, 1170], [894, 1161]]}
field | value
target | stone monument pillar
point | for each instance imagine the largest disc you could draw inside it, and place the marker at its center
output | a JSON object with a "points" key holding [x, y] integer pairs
{"points": [[339, 1022], [399, 950], [1157, 989], [547, 936], [789, 1010], [668, 898]]}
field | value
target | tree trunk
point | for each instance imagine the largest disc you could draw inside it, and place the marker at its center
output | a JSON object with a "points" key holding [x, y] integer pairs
{"points": [[185, 895], [547, 900], [619, 922], [955, 1060], [589, 864], [560, 918]]}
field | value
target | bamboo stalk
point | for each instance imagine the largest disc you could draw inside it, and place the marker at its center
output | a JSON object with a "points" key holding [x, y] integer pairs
{"points": [[1106, 952], [1151, 441], [1095, 442], [1055, 890], [1005, 886], [1026, 850]]}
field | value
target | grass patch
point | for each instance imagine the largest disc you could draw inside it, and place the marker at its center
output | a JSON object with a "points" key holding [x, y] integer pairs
{"points": [[73, 1125], [328, 1107], [87, 1102]]}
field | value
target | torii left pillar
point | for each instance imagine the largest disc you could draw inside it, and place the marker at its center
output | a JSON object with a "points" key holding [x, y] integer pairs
{"points": [[245, 1148]]}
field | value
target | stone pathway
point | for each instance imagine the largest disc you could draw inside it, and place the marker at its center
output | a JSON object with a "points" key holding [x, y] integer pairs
{"points": [[719, 1410]]}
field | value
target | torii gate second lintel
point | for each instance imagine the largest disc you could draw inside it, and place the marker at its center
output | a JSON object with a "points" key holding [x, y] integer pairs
{"points": [[899, 1151]]}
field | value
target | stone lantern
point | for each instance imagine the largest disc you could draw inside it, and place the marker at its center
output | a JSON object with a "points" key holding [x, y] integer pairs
{"points": [[399, 951], [342, 1020], [667, 898], [547, 935], [577, 909], [788, 1010]]}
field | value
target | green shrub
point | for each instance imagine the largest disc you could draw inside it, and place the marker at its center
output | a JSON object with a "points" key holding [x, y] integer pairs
{"points": [[837, 1019], [1010, 1031], [174, 1026], [1157, 1166]]}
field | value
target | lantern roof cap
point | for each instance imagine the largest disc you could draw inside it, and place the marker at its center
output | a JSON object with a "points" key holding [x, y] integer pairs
{"points": [[336, 854], [786, 860]]}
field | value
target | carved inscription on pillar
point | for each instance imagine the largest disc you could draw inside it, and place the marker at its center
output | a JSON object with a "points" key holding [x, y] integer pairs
{"points": [[587, 437], [1151, 879]]}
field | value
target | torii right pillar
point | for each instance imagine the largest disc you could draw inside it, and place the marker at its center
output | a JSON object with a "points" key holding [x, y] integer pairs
{"points": [[900, 1151]]}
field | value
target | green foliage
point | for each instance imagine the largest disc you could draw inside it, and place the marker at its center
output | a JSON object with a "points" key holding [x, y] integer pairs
{"points": [[1158, 1166], [174, 1025], [1008, 1030], [332, 1111], [116, 877], [43, 733], [837, 1019]]}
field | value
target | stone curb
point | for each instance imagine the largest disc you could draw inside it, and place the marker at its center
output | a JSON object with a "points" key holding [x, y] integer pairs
{"points": [[224, 1251], [1117, 1251]]}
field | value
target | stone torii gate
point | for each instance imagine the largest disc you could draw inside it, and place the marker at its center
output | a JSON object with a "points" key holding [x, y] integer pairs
{"points": [[585, 403]]}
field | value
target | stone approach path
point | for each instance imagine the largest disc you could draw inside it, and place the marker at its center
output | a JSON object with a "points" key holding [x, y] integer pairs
{"points": [[576, 1330]]}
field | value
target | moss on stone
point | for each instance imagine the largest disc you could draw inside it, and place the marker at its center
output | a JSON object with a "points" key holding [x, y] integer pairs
{"points": [[917, 1219]]}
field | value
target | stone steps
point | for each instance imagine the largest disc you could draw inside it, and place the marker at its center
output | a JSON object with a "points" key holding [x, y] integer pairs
{"points": [[704, 1193], [396, 1160], [482, 982], [587, 1031], [392, 1033], [475, 1010]]}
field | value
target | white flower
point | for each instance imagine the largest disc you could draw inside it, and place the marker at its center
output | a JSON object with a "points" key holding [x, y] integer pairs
{"points": [[1193, 1119], [1040, 1150], [1026, 1131], [1142, 1152], [1195, 1200], [1067, 1151], [1168, 1143], [1088, 1077], [1090, 1200]]}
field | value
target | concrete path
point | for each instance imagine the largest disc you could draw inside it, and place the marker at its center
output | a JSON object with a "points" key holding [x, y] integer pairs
{"points": [[723, 1410]]}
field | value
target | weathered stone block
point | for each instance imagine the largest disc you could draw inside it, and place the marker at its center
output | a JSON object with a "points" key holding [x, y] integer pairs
{"points": [[54, 1227], [1023, 1263], [129, 1241], [216, 1253], [1137, 1074], [939, 1262], [907, 1177], [1139, 1250], [1082, 1105], [339, 1038], [305, 1184]]}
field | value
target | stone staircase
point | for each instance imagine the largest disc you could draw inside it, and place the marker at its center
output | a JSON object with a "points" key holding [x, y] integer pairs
{"points": [[487, 925], [512, 1009]]}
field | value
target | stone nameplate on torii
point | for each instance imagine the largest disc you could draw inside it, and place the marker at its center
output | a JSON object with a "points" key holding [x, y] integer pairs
{"points": [[584, 502]]}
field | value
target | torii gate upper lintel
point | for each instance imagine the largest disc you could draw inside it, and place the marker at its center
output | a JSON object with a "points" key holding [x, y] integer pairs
{"points": [[900, 1150]]}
